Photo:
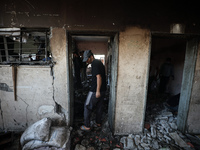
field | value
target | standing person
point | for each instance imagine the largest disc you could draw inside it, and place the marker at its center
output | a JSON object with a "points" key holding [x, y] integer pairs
{"points": [[97, 91], [77, 67], [83, 69], [166, 71]]}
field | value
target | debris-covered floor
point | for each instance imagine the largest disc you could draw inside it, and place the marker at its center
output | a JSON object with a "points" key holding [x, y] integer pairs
{"points": [[160, 130]]}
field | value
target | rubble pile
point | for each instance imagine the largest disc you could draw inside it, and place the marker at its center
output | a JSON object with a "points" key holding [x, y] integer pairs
{"points": [[160, 133], [99, 138]]}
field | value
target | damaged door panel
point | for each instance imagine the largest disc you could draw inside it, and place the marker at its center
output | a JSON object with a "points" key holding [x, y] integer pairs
{"points": [[187, 81]]}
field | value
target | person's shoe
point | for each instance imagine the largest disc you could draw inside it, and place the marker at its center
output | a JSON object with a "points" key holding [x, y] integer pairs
{"points": [[96, 125], [84, 128]]}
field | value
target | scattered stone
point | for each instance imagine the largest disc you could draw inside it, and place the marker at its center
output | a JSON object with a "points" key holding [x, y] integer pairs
{"points": [[160, 133], [140, 147], [167, 114], [155, 144], [178, 140], [170, 119], [145, 146], [128, 143], [153, 132], [137, 139], [90, 148], [105, 146], [80, 133], [173, 125], [85, 142], [80, 147]]}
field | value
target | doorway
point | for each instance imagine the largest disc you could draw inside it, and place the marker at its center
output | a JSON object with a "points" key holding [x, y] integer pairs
{"points": [[105, 48], [175, 96]]}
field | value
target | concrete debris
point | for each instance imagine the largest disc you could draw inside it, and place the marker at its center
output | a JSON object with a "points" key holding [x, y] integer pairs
{"points": [[84, 142], [90, 148], [137, 139], [80, 147], [179, 141], [160, 132], [128, 143]]}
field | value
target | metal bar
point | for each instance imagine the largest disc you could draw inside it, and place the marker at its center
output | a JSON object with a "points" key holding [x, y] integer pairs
{"points": [[46, 47], [0, 57], [6, 48], [20, 47]]}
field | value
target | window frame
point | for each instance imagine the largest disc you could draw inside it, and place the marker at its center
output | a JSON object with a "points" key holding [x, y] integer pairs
{"points": [[18, 33]]}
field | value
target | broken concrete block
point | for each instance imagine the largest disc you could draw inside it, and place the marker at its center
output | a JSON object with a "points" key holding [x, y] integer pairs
{"points": [[170, 119], [164, 149], [137, 139], [105, 146], [145, 146], [144, 139], [140, 147], [84, 142], [79, 147], [178, 140], [167, 114], [122, 140], [90, 148], [168, 138], [155, 144], [153, 132], [128, 143], [173, 125]]}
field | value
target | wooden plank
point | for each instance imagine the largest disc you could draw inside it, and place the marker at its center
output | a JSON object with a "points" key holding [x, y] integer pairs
{"points": [[14, 76]]}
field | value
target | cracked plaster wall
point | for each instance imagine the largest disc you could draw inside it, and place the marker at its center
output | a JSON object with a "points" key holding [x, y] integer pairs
{"points": [[193, 122], [132, 80], [58, 44], [38, 95], [34, 97]]}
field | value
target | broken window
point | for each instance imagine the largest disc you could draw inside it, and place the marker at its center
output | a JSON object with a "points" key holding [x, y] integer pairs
{"points": [[24, 46]]}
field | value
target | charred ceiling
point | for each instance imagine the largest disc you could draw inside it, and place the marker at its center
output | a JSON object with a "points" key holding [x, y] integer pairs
{"points": [[106, 15]]}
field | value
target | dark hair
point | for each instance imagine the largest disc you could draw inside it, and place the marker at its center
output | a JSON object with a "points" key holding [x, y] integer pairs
{"points": [[75, 53], [168, 59]]}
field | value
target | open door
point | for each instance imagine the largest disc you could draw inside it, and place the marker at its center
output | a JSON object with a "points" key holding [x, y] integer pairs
{"points": [[113, 80], [187, 82]]}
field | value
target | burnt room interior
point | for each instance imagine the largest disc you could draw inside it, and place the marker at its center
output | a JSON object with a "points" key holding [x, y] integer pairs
{"points": [[40, 94], [163, 47], [99, 45]]}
